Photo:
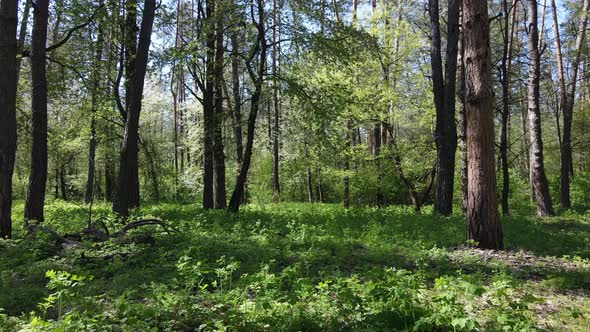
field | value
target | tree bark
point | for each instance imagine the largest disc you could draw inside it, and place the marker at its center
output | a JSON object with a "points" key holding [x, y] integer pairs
{"points": [[209, 113], [38, 172], [462, 120], [537, 164], [567, 98], [22, 35], [444, 101], [276, 185], [505, 72], [482, 209], [89, 191], [8, 85], [219, 157], [258, 79], [128, 180]]}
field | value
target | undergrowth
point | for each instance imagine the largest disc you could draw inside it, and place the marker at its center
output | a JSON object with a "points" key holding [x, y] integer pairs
{"points": [[297, 267]]}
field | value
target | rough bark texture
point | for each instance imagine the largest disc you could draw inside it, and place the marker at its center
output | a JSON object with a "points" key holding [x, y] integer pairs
{"points": [[38, 172], [8, 84], [209, 114], [237, 100], [218, 154], [257, 77], [128, 181], [482, 209], [444, 101], [537, 164]]}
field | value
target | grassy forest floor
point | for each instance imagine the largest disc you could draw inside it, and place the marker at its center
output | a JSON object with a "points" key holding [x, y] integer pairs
{"points": [[297, 267]]}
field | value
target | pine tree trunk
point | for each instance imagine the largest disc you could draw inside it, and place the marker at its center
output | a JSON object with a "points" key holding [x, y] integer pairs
{"points": [[8, 85], [537, 164], [38, 172], [482, 209]]}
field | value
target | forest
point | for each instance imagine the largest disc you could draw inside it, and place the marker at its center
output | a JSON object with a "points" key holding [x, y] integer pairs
{"points": [[294, 165]]}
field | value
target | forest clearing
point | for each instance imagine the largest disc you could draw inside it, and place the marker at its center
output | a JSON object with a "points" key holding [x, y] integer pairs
{"points": [[294, 165]]}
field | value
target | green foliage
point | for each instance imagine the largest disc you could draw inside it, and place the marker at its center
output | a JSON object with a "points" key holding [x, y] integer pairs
{"points": [[292, 267]]}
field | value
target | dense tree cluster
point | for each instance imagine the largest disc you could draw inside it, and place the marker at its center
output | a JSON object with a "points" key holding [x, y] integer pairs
{"points": [[359, 102]]}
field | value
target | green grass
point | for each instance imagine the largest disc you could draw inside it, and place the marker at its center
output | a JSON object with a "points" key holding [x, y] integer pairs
{"points": [[298, 267]]}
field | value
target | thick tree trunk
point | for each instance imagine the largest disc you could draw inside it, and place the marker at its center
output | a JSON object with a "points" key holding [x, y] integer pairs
{"points": [[567, 98], [38, 172], [444, 101], [128, 181], [218, 154], [537, 164], [482, 209], [8, 84], [209, 114]]}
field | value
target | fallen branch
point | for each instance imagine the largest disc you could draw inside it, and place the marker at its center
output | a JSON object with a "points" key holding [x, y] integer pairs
{"points": [[97, 235]]}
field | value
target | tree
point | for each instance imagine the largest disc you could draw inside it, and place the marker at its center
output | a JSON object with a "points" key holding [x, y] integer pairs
{"points": [[94, 96], [537, 165], [8, 84], [482, 209], [128, 181], [444, 101], [566, 100], [257, 77], [218, 154], [38, 172], [507, 35], [276, 185], [209, 111]]}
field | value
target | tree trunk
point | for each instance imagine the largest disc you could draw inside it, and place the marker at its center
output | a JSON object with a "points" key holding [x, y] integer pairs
{"points": [[89, 192], [22, 35], [8, 85], [275, 96], [444, 101], [209, 113], [38, 172], [537, 165], [567, 98], [237, 101], [218, 155], [462, 120], [505, 72], [257, 79], [128, 181], [482, 209], [309, 182], [62, 182]]}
